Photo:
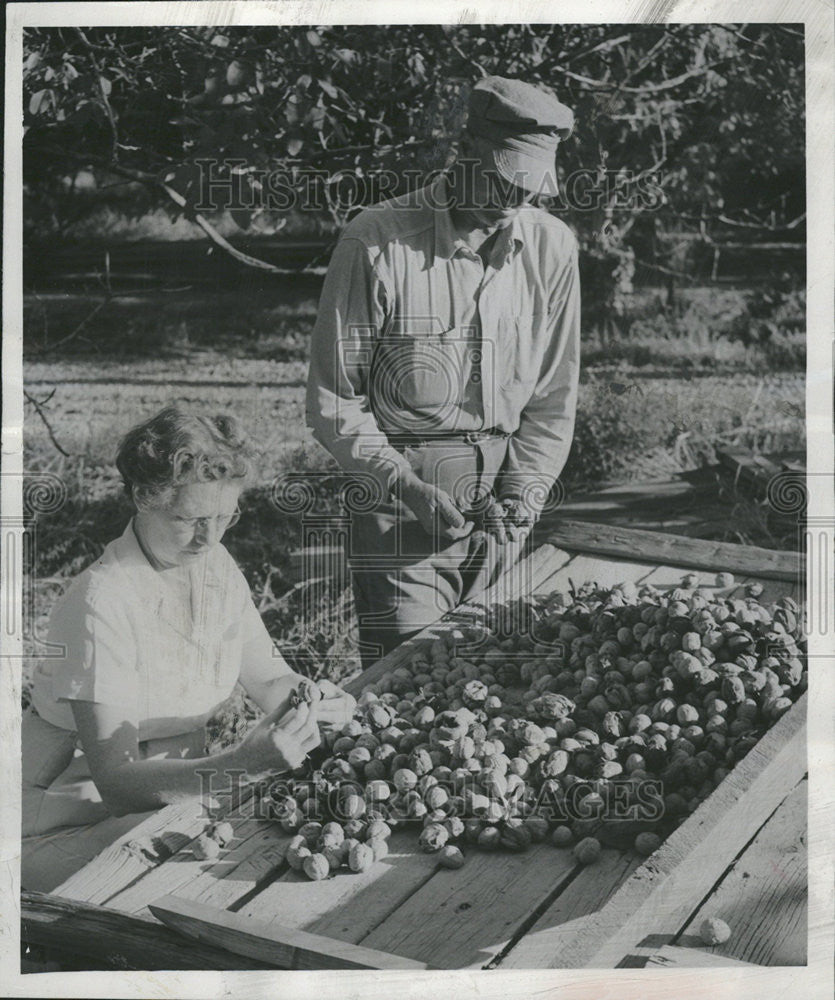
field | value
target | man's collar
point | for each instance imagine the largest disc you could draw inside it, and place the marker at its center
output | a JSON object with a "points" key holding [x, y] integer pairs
{"points": [[448, 241]]}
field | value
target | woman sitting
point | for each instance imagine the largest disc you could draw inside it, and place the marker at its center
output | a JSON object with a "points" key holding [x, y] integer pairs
{"points": [[155, 635]]}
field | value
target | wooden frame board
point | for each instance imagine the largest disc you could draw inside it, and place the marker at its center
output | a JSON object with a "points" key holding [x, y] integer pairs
{"points": [[678, 550], [577, 917], [283, 947], [669, 885]]}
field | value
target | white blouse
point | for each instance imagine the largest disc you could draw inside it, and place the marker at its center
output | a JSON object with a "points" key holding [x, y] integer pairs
{"points": [[168, 643]]}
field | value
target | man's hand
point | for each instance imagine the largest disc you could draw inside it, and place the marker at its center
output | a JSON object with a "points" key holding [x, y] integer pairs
{"points": [[494, 523], [433, 507], [519, 519], [505, 521]]}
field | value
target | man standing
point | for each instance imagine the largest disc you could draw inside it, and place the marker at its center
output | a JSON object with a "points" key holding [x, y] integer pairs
{"points": [[445, 363]]}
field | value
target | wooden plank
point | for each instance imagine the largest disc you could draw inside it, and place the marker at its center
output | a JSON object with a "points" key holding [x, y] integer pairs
{"points": [[146, 846], [584, 894], [538, 566], [132, 943], [660, 894], [667, 577], [652, 501], [255, 853], [279, 946], [348, 905], [793, 461], [132, 856], [557, 562], [773, 590], [604, 570], [465, 918], [646, 491], [675, 550], [672, 957], [754, 470], [519, 579], [764, 897], [263, 858]]}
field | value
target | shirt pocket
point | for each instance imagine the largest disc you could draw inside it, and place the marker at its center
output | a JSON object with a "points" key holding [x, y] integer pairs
{"points": [[418, 366], [517, 360]]}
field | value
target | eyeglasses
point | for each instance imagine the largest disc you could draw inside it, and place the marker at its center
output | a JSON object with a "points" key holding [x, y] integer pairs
{"points": [[223, 521]]}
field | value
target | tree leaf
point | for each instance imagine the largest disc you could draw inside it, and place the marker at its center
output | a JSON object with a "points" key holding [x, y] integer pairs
{"points": [[348, 56], [36, 101], [242, 217], [329, 89], [294, 146], [316, 117]]}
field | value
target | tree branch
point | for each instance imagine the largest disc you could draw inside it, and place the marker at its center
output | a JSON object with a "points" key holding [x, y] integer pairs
{"points": [[642, 65], [189, 211], [788, 31], [111, 117], [39, 410], [456, 48], [194, 216], [607, 43], [649, 88]]}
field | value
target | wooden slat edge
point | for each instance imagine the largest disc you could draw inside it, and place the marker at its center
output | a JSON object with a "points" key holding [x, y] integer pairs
{"points": [[673, 957], [537, 565], [284, 947], [707, 842], [69, 926], [133, 855], [95, 882], [700, 850], [678, 550]]}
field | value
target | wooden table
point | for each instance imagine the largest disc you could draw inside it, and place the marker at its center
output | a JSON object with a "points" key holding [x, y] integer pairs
{"points": [[741, 856]]}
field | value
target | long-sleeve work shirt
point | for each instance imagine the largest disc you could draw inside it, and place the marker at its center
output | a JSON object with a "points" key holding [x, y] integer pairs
{"points": [[415, 335]]}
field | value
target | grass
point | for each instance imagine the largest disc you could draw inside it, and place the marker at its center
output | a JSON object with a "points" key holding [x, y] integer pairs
{"points": [[651, 405]]}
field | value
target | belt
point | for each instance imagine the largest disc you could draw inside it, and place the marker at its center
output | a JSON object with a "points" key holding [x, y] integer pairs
{"points": [[470, 437]]}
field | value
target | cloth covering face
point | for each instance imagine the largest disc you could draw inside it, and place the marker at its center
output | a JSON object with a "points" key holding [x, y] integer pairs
{"points": [[168, 643]]}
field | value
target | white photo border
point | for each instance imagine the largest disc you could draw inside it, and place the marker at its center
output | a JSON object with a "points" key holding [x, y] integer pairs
{"points": [[814, 980]]}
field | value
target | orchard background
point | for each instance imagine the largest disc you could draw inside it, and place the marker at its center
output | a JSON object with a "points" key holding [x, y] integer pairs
{"points": [[136, 293]]}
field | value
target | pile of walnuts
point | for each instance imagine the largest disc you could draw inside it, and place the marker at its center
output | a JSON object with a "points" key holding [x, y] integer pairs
{"points": [[605, 717]]}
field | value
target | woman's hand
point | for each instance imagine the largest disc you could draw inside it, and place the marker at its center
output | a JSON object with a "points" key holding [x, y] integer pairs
{"points": [[281, 740], [336, 707]]}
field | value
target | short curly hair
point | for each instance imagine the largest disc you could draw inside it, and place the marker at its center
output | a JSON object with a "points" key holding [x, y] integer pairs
{"points": [[176, 447]]}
